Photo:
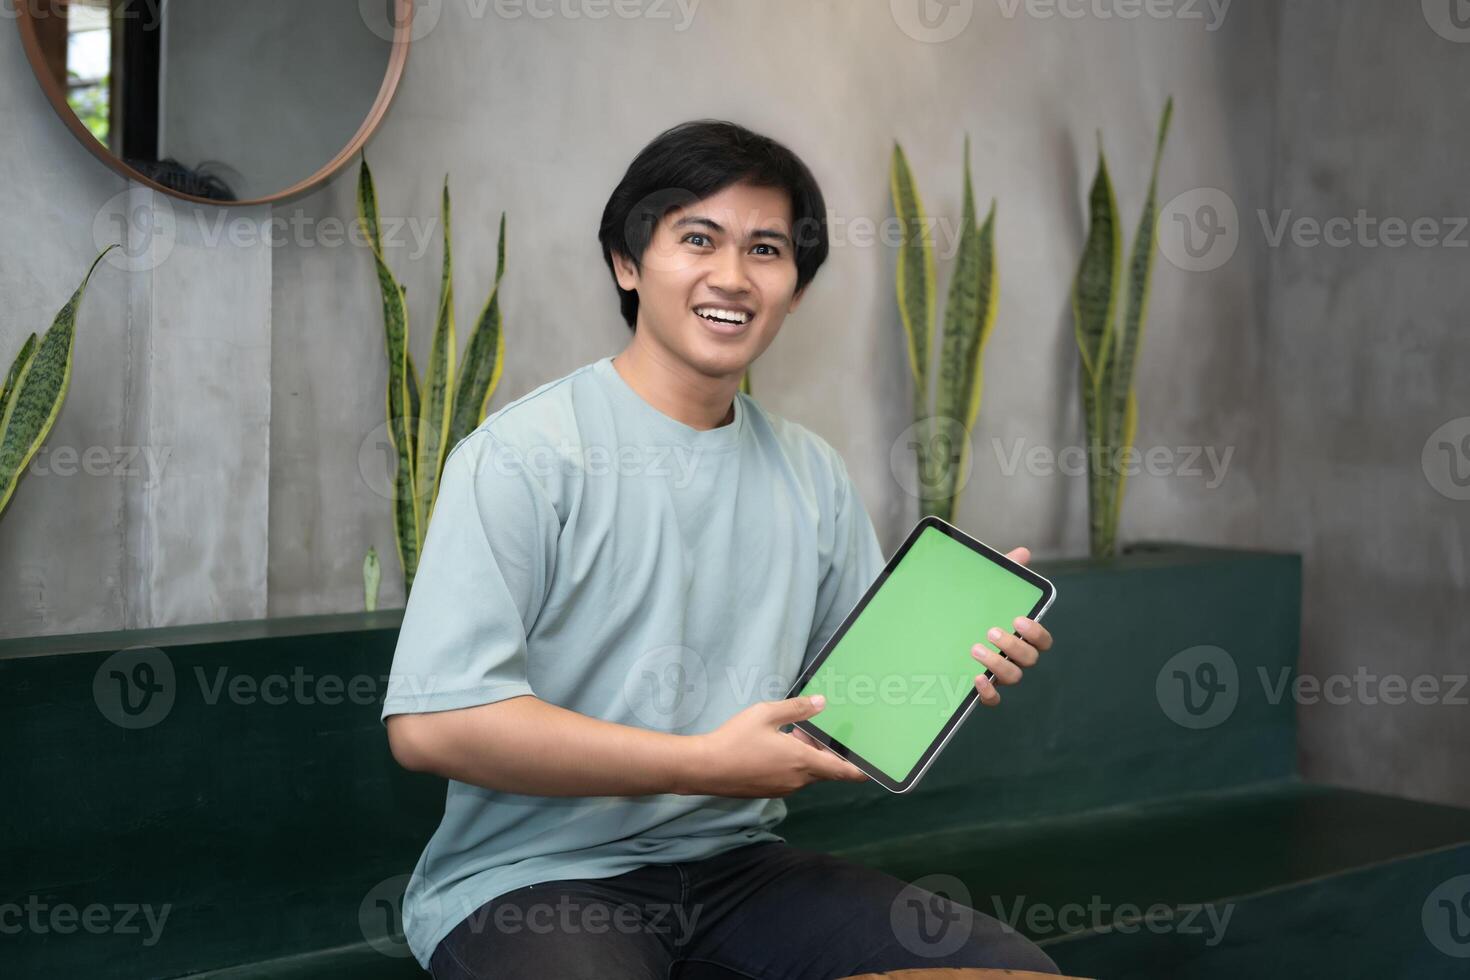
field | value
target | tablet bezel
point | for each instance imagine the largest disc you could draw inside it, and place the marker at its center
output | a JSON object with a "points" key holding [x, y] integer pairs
{"points": [[833, 745]]}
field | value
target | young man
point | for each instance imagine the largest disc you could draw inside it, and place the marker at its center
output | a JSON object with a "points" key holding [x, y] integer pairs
{"points": [[624, 566]]}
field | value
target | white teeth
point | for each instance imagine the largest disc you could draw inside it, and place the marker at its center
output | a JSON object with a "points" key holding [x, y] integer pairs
{"points": [[721, 315]]}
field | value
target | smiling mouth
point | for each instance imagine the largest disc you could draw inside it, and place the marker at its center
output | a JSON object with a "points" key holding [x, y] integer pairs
{"points": [[724, 316]]}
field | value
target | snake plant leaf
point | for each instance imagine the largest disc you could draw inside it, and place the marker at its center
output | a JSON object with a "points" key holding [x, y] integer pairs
{"points": [[1095, 289], [35, 392], [395, 337], [745, 382], [484, 358], [433, 421], [916, 289], [1120, 410], [372, 577], [1094, 305], [21, 360], [958, 365]]}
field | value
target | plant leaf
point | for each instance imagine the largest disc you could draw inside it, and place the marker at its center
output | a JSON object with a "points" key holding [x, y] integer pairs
{"points": [[916, 279], [406, 513], [372, 576], [1121, 411], [960, 341], [21, 360], [433, 422], [37, 391], [1094, 301], [484, 357]]}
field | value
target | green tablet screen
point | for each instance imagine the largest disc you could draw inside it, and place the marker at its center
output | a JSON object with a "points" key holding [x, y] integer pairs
{"points": [[903, 666]]}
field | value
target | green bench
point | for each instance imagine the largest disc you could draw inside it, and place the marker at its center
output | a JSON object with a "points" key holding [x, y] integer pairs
{"points": [[250, 797]]}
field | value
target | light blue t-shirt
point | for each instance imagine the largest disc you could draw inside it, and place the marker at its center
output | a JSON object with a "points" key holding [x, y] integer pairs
{"points": [[594, 552]]}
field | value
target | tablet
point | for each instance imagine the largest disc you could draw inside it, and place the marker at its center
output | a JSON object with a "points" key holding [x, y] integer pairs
{"points": [[897, 674]]}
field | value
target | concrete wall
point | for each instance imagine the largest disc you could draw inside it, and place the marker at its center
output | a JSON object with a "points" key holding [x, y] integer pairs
{"points": [[573, 99], [1368, 361], [147, 504], [1313, 376]]}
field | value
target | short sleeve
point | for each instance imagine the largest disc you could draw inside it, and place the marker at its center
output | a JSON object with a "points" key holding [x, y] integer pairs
{"points": [[482, 576], [852, 558]]}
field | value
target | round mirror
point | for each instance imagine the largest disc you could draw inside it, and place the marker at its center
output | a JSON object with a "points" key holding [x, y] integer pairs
{"points": [[249, 101]]}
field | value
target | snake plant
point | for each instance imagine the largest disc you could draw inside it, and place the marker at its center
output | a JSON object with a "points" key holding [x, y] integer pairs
{"points": [[943, 434], [1109, 345], [35, 387], [426, 420]]}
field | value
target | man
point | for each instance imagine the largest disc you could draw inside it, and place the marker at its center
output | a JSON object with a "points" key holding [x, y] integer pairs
{"points": [[623, 567]]}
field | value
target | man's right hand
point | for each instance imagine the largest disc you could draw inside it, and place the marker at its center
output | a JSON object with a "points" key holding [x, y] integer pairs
{"points": [[749, 756]]}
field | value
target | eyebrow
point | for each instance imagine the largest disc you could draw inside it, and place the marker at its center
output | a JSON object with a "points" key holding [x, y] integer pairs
{"points": [[716, 227]]}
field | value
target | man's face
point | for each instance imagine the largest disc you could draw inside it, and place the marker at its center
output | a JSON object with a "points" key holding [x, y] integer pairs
{"points": [[717, 279]]}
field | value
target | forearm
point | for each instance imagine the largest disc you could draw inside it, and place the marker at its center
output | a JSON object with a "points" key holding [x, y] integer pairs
{"points": [[528, 746]]}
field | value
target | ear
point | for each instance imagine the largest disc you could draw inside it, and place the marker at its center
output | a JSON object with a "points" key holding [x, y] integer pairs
{"points": [[625, 271]]}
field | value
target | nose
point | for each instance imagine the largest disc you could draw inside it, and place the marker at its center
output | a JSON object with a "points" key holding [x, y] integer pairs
{"points": [[727, 272]]}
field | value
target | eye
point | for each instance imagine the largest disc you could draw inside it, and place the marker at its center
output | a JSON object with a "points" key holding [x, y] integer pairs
{"points": [[695, 234], [773, 249]]}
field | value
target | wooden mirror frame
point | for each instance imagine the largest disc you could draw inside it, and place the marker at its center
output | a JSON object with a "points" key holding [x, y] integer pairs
{"points": [[56, 94]]}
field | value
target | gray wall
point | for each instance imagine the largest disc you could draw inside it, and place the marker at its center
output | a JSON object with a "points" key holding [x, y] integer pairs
{"points": [[1368, 358], [1294, 363]]}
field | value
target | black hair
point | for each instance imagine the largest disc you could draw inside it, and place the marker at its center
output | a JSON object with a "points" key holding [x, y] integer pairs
{"points": [[692, 161]]}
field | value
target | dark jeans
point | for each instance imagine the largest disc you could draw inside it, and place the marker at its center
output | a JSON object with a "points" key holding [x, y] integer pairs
{"points": [[768, 911]]}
